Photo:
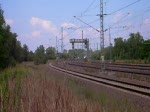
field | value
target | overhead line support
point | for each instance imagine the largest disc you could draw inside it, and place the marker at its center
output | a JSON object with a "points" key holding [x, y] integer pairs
{"points": [[102, 35]]}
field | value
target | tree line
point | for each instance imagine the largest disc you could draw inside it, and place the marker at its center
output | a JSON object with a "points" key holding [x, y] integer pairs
{"points": [[133, 48], [12, 52]]}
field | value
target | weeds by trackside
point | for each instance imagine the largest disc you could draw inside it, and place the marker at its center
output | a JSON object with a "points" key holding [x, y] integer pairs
{"points": [[36, 88], [10, 89]]}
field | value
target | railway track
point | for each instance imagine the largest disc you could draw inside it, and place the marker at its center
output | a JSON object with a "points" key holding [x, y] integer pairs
{"points": [[134, 69], [143, 91]]}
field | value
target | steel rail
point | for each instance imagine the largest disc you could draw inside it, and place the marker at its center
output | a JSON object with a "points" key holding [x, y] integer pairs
{"points": [[137, 65], [117, 64], [133, 66], [123, 86], [110, 68]]}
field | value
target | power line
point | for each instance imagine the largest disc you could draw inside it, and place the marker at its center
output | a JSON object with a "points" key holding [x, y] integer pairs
{"points": [[121, 19], [87, 24], [82, 26], [134, 17], [89, 6], [125, 7]]}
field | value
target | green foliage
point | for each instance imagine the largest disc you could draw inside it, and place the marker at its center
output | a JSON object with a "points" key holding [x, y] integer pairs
{"points": [[133, 48], [25, 52], [11, 50], [76, 54], [119, 48], [63, 56], [7, 48], [95, 55], [40, 56], [51, 53], [30, 56], [15, 76]]}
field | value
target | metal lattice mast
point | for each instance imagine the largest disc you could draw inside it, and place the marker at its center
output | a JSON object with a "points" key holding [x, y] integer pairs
{"points": [[101, 26], [56, 49], [56, 44], [102, 35], [62, 44], [82, 38], [110, 45]]}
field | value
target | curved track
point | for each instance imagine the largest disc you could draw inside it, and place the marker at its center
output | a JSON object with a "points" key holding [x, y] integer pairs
{"points": [[135, 89]]}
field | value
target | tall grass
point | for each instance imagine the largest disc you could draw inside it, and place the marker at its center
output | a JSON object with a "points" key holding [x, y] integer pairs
{"points": [[41, 92], [107, 103], [10, 89], [31, 88]]}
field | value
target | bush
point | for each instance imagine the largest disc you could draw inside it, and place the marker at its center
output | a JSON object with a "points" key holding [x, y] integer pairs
{"points": [[38, 60], [12, 61]]}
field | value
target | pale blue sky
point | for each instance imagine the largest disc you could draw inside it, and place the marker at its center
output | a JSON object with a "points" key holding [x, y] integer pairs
{"points": [[39, 21]]}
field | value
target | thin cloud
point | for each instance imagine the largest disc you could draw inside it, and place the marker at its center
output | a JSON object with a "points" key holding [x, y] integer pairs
{"points": [[68, 25], [117, 17], [36, 33], [9, 22], [147, 21], [45, 25]]}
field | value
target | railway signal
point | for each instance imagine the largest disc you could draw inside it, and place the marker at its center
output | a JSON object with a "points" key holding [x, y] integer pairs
{"points": [[85, 41]]}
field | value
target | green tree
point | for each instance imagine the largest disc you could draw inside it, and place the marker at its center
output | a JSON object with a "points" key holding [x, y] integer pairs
{"points": [[3, 52], [135, 45], [25, 52], [10, 49], [145, 54], [51, 53], [95, 55], [40, 56], [31, 56], [19, 52], [7, 44], [119, 48]]}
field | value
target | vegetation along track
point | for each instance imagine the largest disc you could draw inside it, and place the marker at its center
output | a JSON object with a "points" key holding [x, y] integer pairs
{"points": [[143, 91], [126, 68]]}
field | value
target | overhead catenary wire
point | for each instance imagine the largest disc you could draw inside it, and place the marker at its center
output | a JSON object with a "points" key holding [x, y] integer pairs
{"points": [[87, 9], [132, 17], [89, 6], [124, 7], [121, 20], [82, 26], [87, 24]]}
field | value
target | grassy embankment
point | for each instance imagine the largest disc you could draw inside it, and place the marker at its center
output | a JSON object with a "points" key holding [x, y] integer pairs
{"points": [[28, 88]]}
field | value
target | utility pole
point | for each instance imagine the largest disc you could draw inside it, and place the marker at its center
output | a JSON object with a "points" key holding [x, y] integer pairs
{"points": [[110, 45], [62, 44], [102, 35], [56, 49], [56, 43], [82, 39], [101, 25]]}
